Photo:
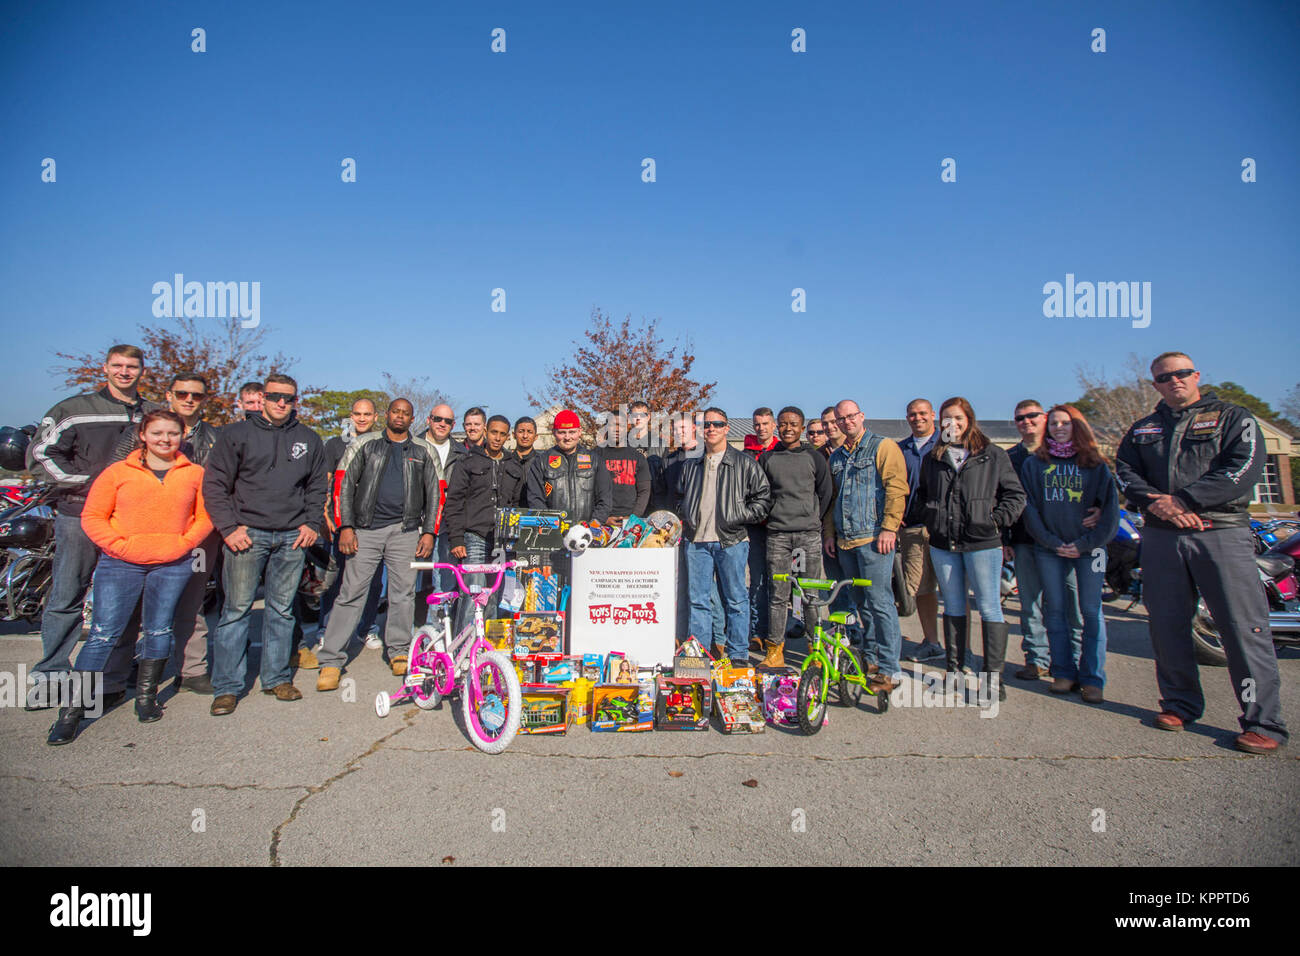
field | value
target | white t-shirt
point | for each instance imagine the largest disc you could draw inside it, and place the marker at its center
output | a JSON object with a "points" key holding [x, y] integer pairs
{"points": [[442, 450]]}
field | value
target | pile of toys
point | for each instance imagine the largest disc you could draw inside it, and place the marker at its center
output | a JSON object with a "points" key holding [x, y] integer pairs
{"points": [[660, 529], [611, 693]]}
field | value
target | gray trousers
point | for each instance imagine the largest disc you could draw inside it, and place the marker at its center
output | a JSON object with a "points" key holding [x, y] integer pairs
{"points": [[396, 549], [781, 549], [1220, 564], [190, 630]]}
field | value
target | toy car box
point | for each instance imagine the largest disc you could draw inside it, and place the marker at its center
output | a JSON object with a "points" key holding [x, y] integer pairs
{"points": [[545, 709], [593, 667], [539, 633], [622, 707], [735, 697], [683, 703]]}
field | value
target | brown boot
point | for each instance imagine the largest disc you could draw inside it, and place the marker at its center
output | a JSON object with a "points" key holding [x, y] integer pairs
{"points": [[775, 655], [305, 659], [398, 664], [328, 678]]}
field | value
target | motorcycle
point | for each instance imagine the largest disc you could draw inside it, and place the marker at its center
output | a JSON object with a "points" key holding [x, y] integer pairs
{"points": [[26, 555]]}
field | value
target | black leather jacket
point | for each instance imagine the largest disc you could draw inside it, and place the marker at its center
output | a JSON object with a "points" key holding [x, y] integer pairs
{"points": [[561, 482], [744, 496], [479, 486], [1208, 455], [361, 486]]}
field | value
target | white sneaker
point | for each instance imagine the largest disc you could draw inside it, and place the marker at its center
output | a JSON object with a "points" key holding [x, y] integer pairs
{"points": [[373, 640]]}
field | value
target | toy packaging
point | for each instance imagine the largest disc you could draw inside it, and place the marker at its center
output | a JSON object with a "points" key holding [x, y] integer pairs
{"points": [[690, 660], [545, 710], [630, 535], [532, 536], [779, 698], [620, 669], [500, 633], [593, 667], [622, 707], [684, 703], [736, 698], [539, 633], [579, 700], [560, 671]]}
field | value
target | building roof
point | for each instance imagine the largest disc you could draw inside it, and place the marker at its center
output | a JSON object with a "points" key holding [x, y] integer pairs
{"points": [[1001, 433]]}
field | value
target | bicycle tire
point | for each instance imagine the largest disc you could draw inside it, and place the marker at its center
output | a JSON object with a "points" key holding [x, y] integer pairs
{"points": [[849, 692], [810, 699], [505, 679]]}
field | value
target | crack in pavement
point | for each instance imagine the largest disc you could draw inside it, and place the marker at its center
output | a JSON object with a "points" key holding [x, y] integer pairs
{"points": [[851, 757], [152, 783], [408, 716]]}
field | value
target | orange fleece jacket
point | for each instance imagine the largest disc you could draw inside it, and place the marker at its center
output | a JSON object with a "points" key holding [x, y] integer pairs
{"points": [[135, 517]]}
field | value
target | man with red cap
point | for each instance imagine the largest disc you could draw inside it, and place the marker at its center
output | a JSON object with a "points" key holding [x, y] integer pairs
{"points": [[563, 478]]}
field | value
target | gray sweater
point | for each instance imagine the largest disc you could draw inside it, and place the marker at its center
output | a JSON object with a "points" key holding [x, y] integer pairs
{"points": [[1058, 494]]}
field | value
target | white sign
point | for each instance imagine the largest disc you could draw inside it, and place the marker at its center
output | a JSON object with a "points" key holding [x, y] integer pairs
{"points": [[624, 599]]}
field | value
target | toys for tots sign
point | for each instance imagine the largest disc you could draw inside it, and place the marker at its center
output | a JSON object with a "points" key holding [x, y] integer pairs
{"points": [[625, 599]]}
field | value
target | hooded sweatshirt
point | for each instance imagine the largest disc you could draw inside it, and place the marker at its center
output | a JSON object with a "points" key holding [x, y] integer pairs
{"points": [[271, 477], [135, 516]]}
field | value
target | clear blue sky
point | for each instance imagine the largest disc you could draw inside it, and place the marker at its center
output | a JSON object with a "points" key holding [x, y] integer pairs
{"points": [[775, 170]]}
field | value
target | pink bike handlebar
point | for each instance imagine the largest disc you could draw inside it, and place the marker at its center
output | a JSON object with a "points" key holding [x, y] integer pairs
{"points": [[461, 569]]}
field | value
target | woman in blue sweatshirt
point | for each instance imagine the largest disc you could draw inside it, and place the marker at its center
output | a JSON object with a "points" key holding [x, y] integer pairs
{"points": [[1062, 480]]}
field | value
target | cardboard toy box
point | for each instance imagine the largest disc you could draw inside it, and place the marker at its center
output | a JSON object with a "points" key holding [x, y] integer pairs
{"points": [[683, 703], [779, 698], [579, 700], [500, 633], [558, 670], [691, 660], [546, 709], [735, 697], [622, 707], [539, 633]]}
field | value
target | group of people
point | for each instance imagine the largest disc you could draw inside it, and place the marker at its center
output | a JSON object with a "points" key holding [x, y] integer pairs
{"points": [[155, 500]]}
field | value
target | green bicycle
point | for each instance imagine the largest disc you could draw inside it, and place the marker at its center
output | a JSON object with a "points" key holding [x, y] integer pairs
{"points": [[831, 661]]}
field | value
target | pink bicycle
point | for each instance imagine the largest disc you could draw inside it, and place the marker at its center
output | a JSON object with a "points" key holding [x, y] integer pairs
{"points": [[489, 686]]}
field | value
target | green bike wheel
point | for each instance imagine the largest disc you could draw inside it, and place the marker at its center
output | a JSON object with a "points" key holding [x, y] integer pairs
{"points": [[810, 699], [849, 692]]}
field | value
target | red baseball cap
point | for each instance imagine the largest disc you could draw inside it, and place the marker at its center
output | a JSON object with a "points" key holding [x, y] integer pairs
{"points": [[566, 419]]}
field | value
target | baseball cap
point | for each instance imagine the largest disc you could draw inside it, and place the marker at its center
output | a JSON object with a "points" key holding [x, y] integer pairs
{"points": [[566, 419]]}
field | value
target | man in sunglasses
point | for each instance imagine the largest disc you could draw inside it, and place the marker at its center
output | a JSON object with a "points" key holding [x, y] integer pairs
{"points": [[264, 487], [446, 453], [816, 434], [724, 492], [1191, 466]]}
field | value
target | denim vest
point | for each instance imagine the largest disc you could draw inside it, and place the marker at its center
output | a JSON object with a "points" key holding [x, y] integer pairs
{"points": [[860, 503]]}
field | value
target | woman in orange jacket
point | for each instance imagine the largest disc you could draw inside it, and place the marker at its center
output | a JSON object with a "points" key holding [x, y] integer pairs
{"points": [[146, 515]]}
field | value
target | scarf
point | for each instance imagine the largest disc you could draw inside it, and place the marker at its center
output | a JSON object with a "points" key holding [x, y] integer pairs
{"points": [[1058, 450]]}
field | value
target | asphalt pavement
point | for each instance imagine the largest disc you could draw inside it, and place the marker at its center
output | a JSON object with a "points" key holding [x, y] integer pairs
{"points": [[1046, 781]]}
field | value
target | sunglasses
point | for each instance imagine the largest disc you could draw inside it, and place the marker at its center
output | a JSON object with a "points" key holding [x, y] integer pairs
{"points": [[1164, 378], [715, 424], [442, 421], [182, 394], [1028, 416], [280, 397]]}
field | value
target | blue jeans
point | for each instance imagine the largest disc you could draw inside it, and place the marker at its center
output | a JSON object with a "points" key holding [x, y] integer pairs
{"points": [[703, 562], [371, 609], [118, 586], [476, 552], [273, 556], [684, 605], [883, 639], [73, 567], [1029, 588], [980, 570], [1090, 669], [760, 584]]}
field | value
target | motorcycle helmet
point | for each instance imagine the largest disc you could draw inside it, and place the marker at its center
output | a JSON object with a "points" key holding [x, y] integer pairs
{"points": [[13, 448]]}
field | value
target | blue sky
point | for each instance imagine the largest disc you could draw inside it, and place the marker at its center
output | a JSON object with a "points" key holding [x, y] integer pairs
{"points": [[775, 170]]}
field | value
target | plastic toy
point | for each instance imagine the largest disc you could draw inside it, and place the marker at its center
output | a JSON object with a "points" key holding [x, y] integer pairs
{"points": [[561, 671], [622, 707], [683, 703], [545, 710], [499, 632], [779, 692], [592, 667], [691, 660], [735, 692], [488, 685], [666, 526], [539, 633]]}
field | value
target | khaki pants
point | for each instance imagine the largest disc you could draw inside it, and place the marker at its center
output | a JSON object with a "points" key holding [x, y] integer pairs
{"points": [[918, 571]]}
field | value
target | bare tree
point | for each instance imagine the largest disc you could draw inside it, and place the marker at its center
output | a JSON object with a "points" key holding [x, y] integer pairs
{"points": [[1291, 404], [421, 394], [1111, 406]]}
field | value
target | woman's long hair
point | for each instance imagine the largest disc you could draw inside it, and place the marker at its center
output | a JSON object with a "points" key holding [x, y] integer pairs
{"points": [[1085, 443], [973, 439], [161, 414]]}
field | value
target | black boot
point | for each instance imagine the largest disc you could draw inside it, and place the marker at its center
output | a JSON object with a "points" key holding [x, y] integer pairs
{"points": [[147, 708], [995, 653], [954, 642], [65, 728]]}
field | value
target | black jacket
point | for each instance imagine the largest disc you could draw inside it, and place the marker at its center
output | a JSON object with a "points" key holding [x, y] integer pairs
{"points": [[195, 446], [673, 464], [479, 486], [524, 462], [1209, 455], [744, 496], [802, 489], [78, 438], [967, 510], [1018, 532], [271, 477], [561, 482], [360, 488]]}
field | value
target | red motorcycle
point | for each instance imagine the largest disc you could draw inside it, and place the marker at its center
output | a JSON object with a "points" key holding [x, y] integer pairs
{"points": [[1277, 573]]}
